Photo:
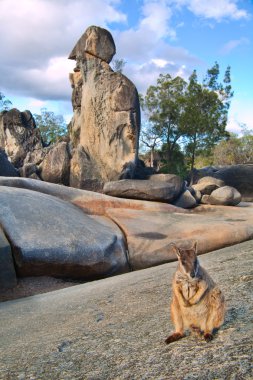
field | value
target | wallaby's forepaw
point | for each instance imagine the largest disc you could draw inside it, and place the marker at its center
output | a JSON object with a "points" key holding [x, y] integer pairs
{"points": [[208, 337], [173, 338]]}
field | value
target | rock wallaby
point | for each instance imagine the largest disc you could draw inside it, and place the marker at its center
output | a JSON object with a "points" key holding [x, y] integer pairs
{"points": [[197, 303]]}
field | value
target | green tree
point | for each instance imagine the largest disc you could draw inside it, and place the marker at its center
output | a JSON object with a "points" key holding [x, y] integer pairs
{"points": [[5, 104], [51, 126], [205, 113], [189, 114], [164, 105]]}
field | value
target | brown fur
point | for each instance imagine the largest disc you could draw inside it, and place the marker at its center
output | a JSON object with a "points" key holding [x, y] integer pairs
{"points": [[197, 303]]}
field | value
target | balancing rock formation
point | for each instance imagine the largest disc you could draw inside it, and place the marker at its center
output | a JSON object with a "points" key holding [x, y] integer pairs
{"points": [[105, 127]]}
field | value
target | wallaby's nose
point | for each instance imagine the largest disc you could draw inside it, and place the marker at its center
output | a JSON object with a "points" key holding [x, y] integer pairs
{"points": [[192, 274]]}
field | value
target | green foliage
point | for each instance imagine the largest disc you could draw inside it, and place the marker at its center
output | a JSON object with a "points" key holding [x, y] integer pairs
{"points": [[51, 126], [177, 163], [5, 104], [235, 150], [191, 114], [164, 105], [206, 111]]}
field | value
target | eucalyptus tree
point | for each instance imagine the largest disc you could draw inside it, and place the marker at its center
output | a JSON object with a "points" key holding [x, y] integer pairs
{"points": [[164, 104], [51, 126], [206, 112]]}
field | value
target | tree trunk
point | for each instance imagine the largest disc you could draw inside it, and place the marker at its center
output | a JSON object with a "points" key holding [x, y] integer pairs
{"points": [[193, 151], [152, 156]]}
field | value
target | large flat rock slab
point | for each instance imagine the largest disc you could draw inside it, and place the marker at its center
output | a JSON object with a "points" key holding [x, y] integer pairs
{"points": [[52, 237], [91, 202], [150, 234], [115, 328]]}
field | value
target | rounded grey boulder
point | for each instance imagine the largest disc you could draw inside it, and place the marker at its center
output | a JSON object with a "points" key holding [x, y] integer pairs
{"points": [[55, 238], [226, 195], [160, 187]]}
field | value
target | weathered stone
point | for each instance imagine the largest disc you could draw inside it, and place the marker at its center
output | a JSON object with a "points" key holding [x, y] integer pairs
{"points": [[240, 177], [7, 271], [106, 119], [6, 168], [185, 200], [196, 194], [196, 174], [205, 187], [150, 234], [56, 165], [89, 201], [226, 195], [83, 171], [205, 199], [163, 188], [76, 81], [53, 237], [36, 156], [211, 180], [28, 170], [18, 135], [168, 178], [115, 328], [137, 170], [97, 42]]}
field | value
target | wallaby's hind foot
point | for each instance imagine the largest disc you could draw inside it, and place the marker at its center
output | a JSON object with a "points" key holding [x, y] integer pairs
{"points": [[174, 337], [208, 337]]}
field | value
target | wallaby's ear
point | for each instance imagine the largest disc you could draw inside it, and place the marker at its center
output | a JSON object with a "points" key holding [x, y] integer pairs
{"points": [[175, 249], [195, 246]]}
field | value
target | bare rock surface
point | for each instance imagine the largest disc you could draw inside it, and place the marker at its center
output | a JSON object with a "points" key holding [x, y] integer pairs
{"points": [[56, 164], [18, 135], [237, 176], [212, 180], [150, 234], [161, 188], [186, 200], [106, 120], [225, 195], [52, 237], [6, 167], [91, 202], [205, 187], [115, 328], [95, 41], [149, 227]]}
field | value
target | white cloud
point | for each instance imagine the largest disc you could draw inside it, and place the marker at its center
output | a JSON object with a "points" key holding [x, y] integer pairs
{"points": [[233, 44], [161, 62], [215, 9], [144, 75], [38, 35]]}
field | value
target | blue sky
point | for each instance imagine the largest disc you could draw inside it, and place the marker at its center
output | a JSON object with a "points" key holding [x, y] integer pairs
{"points": [[153, 37]]}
